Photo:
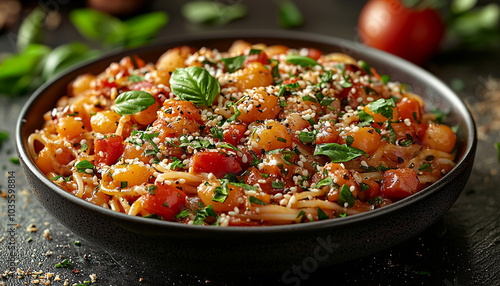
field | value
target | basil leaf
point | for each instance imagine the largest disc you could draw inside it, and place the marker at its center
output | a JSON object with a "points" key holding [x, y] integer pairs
{"points": [[135, 78], [365, 119], [65, 56], [142, 28], [221, 192], [18, 71], [30, 30], [383, 107], [289, 15], [302, 61], [307, 137], [365, 67], [235, 63], [195, 84], [346, 196], [98, 26], [132, 102], [328, 181], [338, 153], [208, 12], [83, 166]]}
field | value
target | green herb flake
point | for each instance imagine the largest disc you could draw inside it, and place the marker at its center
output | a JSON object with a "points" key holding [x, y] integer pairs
{"points": [[278, 184], [321, 214], [346, 196], [307, 137], [221, 192], [254, 200], [203, 214], [152, 189], [280, 139], [183, 214], [217, 133], [83, 166], [3, 137], [77, 243], [64, 264]]}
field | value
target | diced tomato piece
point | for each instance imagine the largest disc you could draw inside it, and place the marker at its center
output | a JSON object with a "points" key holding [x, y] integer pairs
{"points": [[369, 189], [108, 150], [314, 53], [410, 108], [165, 201], [234, 133], [290, 81], [403, 131], [216, 163], [141, 85], [133, 62], [399, 183], [258, 58]]}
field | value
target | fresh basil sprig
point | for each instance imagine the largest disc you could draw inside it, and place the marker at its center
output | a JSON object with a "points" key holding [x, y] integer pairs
{"points": [[195, 84], [338, 153], [132, 102]]}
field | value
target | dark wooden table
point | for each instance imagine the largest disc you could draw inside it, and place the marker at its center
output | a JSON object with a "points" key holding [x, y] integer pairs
{"points": [[462, 248]]}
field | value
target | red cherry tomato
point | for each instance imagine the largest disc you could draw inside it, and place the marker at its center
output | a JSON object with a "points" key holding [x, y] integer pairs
{"points": [[413, 34]]}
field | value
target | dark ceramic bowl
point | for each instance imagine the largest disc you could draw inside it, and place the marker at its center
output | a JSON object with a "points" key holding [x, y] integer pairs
{"points": [[255, 249]]}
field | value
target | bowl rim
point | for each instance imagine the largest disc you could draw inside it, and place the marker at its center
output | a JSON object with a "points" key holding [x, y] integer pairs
{"points": [[421, 74]]}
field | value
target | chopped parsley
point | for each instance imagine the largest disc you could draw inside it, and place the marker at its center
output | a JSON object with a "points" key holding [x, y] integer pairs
{"points": [[321, 214], [83, 166], [254, 200], [64, 264], [203, 214], [346, 196]]}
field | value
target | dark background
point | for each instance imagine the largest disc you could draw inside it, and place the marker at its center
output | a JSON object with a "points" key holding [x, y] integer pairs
{"points": [[462, 248]]}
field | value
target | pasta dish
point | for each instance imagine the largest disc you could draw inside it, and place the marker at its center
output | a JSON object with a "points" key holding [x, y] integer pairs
{"points": [[255, 135]]}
